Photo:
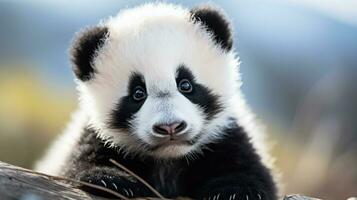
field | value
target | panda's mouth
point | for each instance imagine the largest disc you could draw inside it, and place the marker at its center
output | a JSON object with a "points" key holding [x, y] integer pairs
{"points": [[169, 143]]}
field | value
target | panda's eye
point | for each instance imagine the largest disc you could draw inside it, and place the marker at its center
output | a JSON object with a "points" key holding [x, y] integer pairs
{"points": [[185, 86], [139, 93]]}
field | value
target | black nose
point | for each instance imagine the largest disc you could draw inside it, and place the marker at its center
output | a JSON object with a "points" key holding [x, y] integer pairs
{"points": [[170, 129]]}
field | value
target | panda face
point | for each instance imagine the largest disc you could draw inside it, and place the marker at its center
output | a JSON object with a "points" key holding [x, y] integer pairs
{"points": [[158, 83], [166, 116]]}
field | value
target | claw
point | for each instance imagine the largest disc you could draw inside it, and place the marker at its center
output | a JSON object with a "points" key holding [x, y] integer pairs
{"points": [[246, 196], [116, 188], [126, 192], [260, 198], [234, 196], [131, 192], [104, 183]]}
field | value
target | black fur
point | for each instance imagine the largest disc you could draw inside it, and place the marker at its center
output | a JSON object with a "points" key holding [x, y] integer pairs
{"points": [[90, 163], [216, 22], [85, 45], [127, 107], [230, 166], [200, 95]]}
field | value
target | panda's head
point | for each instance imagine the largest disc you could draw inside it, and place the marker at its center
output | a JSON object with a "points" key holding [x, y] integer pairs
{"points": [[158, 79]]}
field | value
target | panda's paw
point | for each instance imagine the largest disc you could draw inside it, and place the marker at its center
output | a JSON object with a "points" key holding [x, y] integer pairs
{"points": [[114, 181], [232, 193]]}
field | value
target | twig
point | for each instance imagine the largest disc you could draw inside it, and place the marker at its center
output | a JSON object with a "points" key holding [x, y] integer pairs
{"points": [[139, 178], [74, 181]]}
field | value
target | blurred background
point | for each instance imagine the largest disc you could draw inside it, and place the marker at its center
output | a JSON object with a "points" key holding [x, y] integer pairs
{"points": [[299, 68]]}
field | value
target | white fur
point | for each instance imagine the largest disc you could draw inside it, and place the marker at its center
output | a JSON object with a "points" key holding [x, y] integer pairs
{"points": [[154, 39], [57, 156]]}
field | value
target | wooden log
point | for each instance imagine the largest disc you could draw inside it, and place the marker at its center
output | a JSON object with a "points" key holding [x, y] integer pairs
{"points": [[21, 184], [15, 183]]}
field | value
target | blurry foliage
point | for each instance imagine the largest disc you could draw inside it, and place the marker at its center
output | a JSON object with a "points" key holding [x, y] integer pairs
{"points": [[31, 114]]}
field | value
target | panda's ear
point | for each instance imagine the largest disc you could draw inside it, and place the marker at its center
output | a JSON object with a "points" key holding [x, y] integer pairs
{"points": [[84, 48], [216, 22]]}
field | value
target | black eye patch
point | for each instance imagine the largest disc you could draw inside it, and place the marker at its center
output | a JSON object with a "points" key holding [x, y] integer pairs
{"points": [[200, 95], [127, 106]]}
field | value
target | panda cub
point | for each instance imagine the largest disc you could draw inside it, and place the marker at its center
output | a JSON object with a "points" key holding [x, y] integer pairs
{"points": [[159, 92]]}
